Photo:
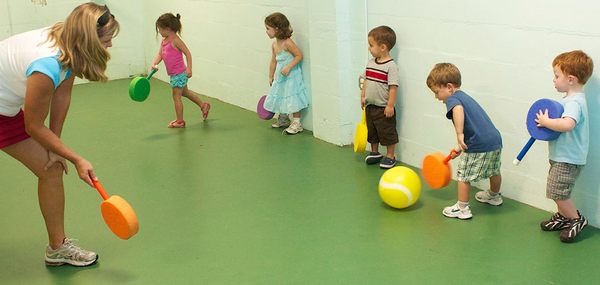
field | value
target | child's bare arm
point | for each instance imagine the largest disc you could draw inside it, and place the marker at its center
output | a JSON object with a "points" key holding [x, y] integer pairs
{"points": [[458, 118], [389, 109], [362, 94], [564, 124], [272, 65], [295, 51], [157, 59], [180, 45]]}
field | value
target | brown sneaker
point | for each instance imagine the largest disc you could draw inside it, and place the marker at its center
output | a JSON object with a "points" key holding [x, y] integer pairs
{"points": [[574, 228], [557, 222]]}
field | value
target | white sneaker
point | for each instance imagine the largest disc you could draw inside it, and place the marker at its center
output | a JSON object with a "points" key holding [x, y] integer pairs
{"points": [[294, 128], [456, 212], [282, 121], [485, 197], [69, 253]]}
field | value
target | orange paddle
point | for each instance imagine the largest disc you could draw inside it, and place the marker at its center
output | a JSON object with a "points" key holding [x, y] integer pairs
{"points": [[117, 213], [437, 170]]}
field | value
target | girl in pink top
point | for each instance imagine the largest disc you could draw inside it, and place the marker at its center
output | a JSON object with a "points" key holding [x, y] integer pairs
{"points": [[172, 50]]}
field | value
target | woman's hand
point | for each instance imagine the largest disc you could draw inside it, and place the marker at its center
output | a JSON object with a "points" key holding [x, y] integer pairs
{"points": [[285, 71], [55, 158], [85, 170]]}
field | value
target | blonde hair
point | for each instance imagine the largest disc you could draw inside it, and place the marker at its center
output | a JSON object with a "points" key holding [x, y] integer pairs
{"points": [[576, 63], [78, 39], [442, 74]]}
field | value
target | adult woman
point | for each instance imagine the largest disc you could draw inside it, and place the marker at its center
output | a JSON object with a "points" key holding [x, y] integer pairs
{"points": [[37, 71]]}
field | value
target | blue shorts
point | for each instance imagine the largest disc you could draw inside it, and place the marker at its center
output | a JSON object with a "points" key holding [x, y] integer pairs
{"points": [[179, 80]]}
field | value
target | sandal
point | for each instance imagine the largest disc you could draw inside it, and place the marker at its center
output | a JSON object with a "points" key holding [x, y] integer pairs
{"points": [[205, 108], [177, 124]]}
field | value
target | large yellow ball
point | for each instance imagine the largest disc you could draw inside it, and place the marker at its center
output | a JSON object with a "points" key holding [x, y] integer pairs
{"points": [[400, 187]]}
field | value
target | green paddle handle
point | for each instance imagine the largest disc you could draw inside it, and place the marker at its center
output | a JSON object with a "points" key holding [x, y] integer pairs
{"points": [[151, 73]]}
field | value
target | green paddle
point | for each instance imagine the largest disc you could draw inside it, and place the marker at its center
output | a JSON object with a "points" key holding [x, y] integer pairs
{"points": [[139, 88]]}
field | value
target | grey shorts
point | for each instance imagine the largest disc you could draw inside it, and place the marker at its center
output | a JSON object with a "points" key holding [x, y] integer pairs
{"points": [[473, 167], [561, 180]]}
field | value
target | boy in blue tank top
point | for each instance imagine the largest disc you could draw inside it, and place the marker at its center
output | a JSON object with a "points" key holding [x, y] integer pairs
{"points": [[568, 153], [477, 137]]}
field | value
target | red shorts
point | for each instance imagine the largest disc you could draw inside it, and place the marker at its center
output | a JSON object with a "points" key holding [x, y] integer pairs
{"points": [[12, 129]]}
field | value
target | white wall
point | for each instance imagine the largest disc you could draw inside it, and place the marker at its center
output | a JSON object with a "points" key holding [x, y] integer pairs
{"points": [[504, 50], [18, 16], [229, 46]]}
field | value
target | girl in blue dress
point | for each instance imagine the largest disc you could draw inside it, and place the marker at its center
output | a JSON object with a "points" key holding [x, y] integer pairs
{"points": [[288, 92]]}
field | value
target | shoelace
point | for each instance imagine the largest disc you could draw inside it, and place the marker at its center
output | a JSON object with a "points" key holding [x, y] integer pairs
{"points": [[73, 250]]}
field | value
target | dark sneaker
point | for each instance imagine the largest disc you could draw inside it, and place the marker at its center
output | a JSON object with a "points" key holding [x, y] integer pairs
{"points": [[373, 157], [574, 227], [557, 222], [387, 162]]}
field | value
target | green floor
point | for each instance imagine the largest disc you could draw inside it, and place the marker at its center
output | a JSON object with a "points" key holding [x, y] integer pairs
{"points": [[232, 201]]}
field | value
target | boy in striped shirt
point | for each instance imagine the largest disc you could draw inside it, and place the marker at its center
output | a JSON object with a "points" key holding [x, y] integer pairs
{"points": [[378, 96]]}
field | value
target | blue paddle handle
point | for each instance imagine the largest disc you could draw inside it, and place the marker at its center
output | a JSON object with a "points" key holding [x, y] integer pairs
{"points": [[524, 151], [151, 73]]}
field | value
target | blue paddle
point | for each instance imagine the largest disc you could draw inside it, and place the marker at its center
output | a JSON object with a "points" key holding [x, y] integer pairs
{"points": [[555, 110]]}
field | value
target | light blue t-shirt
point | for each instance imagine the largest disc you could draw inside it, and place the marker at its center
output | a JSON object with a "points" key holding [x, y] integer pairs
{"points": [[49, 66], [480, 133], [572, 146]]}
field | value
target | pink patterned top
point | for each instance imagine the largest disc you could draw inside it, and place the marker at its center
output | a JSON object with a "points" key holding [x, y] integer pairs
{"points": [[173, 58]]}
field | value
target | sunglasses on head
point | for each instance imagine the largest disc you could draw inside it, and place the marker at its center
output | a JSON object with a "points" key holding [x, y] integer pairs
{"points": [[103, 20]]}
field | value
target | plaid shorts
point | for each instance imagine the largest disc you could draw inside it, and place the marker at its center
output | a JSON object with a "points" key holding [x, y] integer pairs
{"points": [[179, 80], [561, 180], [473, 167]]}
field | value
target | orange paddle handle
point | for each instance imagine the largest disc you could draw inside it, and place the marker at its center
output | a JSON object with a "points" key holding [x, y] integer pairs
{"points": [[449, 157], [100, 189]]}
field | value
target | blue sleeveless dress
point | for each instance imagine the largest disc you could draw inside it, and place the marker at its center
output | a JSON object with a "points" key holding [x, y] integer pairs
{"points": [[288, 93]]}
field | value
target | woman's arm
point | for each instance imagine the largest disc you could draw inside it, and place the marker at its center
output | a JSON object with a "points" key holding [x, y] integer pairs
{"points": [[38, 100], [60, 105]]}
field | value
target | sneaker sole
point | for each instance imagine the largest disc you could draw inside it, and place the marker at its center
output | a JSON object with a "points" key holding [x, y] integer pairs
{"points": [[489, 202], [285, 131], [386, 166], [373, 159], [458, 217], [60, 262]]}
